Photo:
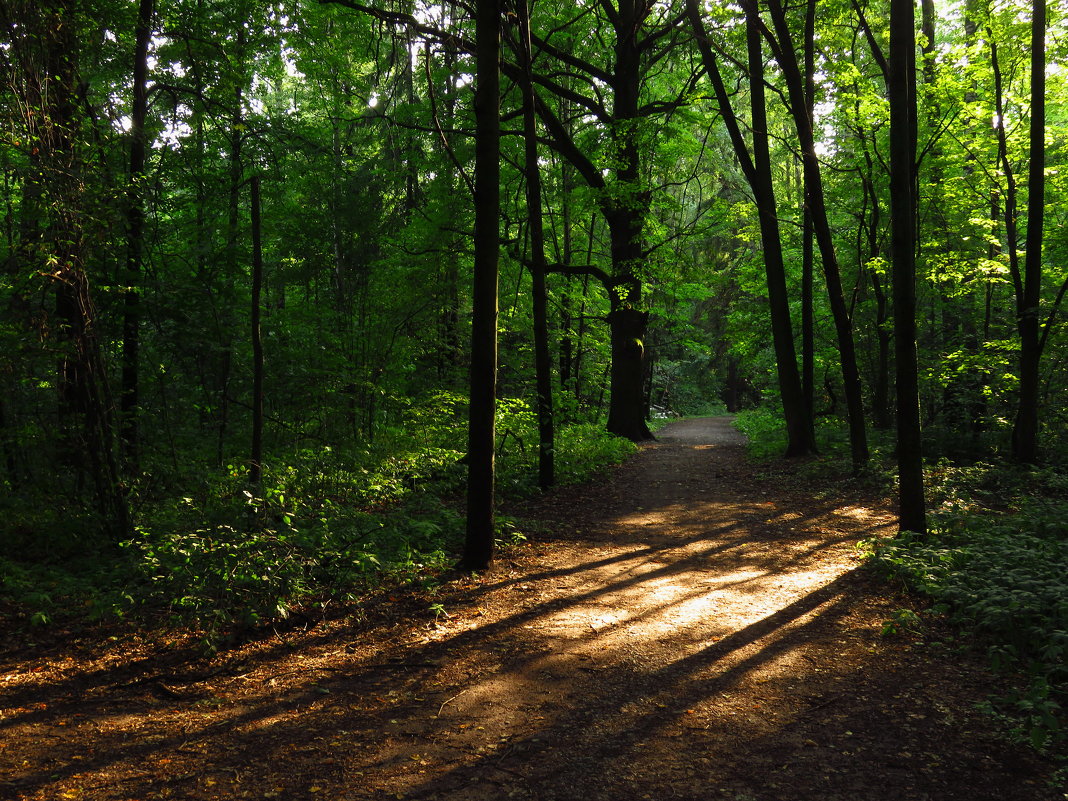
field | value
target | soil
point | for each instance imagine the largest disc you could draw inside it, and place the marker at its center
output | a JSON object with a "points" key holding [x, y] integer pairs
{"points": [[691, 626]]}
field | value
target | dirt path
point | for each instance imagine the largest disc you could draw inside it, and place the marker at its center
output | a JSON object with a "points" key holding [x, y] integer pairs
{"points": [[693, 627]]}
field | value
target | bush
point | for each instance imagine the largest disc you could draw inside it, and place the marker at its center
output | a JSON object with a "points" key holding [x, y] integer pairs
{"points": [[1000, 578], [324, 523]]}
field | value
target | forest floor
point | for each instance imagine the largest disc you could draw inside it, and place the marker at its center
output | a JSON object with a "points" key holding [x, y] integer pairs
{"points": [[692, 626]]}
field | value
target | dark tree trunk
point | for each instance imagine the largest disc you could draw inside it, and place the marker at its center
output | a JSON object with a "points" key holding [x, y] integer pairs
{"points": [[1025, 427], [787, 59], [625, 211], [757, 169], [255, 473], [46, 51], [902, 97], [626, 410], [542, 358], [624, 204], [478, 546], [808, 314], [237, 140], [567, 343], [129, 438]]}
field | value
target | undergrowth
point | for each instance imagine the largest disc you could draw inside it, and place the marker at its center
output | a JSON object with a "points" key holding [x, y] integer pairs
{"points": [[994, 564], [1000, 579], [766, 432], [323, 524]]}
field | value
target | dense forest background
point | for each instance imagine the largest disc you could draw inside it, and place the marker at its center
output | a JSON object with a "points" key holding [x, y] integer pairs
{"points": [[238, 257]]}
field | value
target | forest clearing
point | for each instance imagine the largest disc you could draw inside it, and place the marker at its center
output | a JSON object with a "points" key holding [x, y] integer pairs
{"points": [[693, 625]]}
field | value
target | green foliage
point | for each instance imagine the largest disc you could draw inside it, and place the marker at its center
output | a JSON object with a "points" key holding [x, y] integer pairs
{"points": [[902, 621], [224, 576], [766, 433], [323, 524], [1001, 579]]}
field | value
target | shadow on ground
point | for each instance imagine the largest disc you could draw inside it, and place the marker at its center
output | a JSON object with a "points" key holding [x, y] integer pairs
{"points": [[690, 628]]}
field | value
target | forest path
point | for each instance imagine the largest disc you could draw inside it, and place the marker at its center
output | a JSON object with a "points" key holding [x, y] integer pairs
{"points": [[693, 626]]}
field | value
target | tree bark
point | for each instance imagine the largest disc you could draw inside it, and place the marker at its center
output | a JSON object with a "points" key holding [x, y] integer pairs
{"points": [[542, 358], [901, 90], [626, 415], [129, 439], [478, 545]]}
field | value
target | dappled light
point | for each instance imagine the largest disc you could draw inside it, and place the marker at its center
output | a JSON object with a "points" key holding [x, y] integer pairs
{"points": [[723, 647], [489, 400]]}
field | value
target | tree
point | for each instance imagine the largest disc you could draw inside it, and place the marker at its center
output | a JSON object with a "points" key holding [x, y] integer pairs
{"points": [[135, 237], [255, 472], [1028, 284], [757, 170], [901, 88], [478, 546], [532, 177], [640, 35], [782, 45], [58, 226]]}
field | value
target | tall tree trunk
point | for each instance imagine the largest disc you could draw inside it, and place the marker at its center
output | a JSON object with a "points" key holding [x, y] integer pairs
{"points": [[1025, 427], [255, 473], [901, 89], [542, 358], [625, 211], [129, 439], [787, 59], [478, 545], [808, 315], [757, 170], [46, 50], [237, 140]]}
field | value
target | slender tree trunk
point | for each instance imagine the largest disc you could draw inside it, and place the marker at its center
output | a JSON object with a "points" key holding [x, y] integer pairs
{"points": [[255, 473], [808, 319], [237, 139], [800, 430], [1025, 427], [901, 90], [808, 315], [542, 358], [567, 344], [478, 546], [757, 169], [787, 59], [129, 439], [452, 337]]}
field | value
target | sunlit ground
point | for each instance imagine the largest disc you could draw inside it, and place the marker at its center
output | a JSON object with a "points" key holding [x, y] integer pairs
{"points": [[689, 633]]}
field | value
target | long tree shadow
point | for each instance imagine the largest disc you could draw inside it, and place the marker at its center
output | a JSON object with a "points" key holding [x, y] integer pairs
{"points": [[728, 538], [507, 706]]}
